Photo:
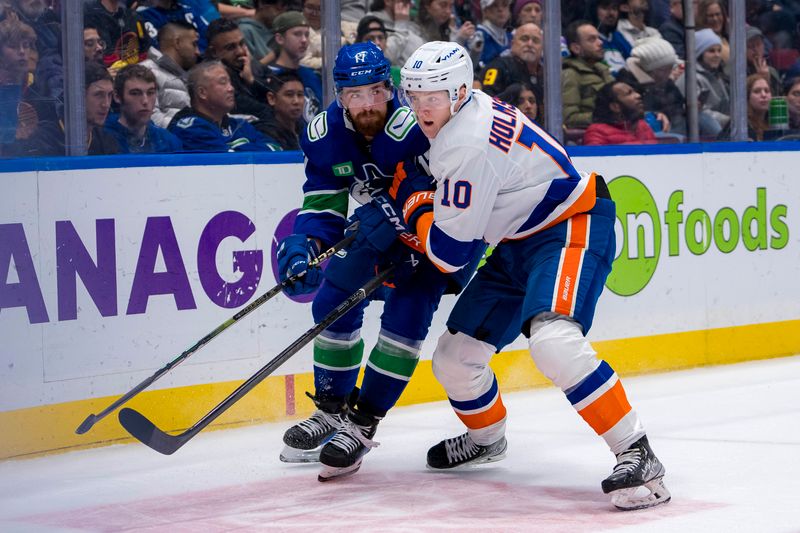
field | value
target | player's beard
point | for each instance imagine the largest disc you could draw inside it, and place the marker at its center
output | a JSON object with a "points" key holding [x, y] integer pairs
{"points": [[369, 122]]}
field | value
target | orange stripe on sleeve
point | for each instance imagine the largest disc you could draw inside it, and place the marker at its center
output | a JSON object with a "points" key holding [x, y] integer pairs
{"points": [[399, 176], [603, 413], [494, 414], [424, 227], [584, 203]]}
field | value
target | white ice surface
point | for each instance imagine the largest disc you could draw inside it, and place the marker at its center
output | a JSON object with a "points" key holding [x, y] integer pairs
{"points": [[729, 437]]}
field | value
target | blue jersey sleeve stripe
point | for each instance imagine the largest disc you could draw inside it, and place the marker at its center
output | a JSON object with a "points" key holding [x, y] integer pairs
{"points": [[557, 193], [591, 383], [478, 403], [531, 136], [448, 253]]}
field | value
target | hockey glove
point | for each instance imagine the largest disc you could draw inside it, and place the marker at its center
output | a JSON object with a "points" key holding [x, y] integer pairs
{"points": [[414, 191], [405, 259], [294, 254], [379, 224]]}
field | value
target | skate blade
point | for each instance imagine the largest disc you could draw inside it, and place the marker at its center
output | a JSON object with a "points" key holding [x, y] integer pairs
{"points": [[330, 473], [296, 455], [635, 498], [471, 464]]}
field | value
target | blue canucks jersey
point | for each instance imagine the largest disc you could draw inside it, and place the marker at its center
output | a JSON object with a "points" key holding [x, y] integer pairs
{"points": [[154, 18], [340, 163]]}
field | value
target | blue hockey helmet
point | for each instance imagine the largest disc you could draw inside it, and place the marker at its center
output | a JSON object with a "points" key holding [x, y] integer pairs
{"points": [[360, 64]]}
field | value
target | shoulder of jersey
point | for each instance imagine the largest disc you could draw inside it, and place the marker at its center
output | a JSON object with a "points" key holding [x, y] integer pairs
{"points": [[472, 130]]}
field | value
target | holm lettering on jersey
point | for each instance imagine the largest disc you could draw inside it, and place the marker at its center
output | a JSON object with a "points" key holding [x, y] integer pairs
{"points": [[504, 124]]}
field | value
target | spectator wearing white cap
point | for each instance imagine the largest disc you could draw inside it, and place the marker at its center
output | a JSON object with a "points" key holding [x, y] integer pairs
{"points": [[650, 71], [713, 85]]}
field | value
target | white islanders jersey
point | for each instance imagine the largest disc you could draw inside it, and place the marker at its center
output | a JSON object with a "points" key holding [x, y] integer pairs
{"points": [[499, 176]]}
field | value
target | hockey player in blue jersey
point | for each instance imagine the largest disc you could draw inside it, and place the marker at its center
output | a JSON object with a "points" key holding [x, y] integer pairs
{"points": [[364, 145]]}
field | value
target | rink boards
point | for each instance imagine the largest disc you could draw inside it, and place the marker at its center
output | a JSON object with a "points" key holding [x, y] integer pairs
{"points": [[111, 267]]}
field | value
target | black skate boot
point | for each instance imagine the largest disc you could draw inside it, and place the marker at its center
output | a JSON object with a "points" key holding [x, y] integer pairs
{"points": [[637, 481], [305, 439], [463, 451], [342, 455]]}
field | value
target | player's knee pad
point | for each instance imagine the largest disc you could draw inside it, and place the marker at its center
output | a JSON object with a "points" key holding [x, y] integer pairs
{"points": [[461, 364], [560, 350]]}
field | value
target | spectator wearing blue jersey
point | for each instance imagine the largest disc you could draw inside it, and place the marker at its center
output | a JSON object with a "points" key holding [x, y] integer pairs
{"points": [[291, 34], [206, 126], [208, 8], [496, 39], [616, 48], [135, 91], [162, 12]]}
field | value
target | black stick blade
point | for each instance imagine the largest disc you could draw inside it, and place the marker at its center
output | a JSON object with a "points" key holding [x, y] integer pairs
{"points": [[148, 434], [87, 424]]}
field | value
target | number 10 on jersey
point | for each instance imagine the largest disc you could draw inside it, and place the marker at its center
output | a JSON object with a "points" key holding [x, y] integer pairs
{"points": [[459, 194]]}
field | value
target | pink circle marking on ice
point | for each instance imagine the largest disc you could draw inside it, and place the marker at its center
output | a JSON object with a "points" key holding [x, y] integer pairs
{"points": [[418, 501]]}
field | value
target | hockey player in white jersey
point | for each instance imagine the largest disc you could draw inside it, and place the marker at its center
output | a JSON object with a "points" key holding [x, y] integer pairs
{"points": [[503, 180]]}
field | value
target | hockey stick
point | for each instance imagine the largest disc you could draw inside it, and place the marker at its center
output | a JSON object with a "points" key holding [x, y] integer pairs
{"points": [[146, 432], [92, 419]]}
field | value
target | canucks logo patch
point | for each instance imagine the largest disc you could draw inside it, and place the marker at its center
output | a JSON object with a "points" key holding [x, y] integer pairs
{"points": [[185, 123], [318, 127], [400, 123]]}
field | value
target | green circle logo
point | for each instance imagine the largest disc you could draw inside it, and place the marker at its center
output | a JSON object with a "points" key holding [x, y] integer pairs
{"points": [[638, 218]]}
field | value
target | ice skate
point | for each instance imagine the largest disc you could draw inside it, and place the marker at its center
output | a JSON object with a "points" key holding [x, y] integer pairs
{"points": [[463, 451], [343, 454], [637, 481], [305, 439]]}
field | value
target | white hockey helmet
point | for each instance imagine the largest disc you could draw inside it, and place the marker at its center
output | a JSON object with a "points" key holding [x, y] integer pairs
{"points": [[438, 66]]}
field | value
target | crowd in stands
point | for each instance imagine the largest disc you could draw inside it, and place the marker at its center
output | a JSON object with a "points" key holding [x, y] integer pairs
{"points": [[245, 75]]}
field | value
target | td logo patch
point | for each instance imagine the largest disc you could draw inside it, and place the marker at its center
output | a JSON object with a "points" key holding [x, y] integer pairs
{"points": [[343, 169]]}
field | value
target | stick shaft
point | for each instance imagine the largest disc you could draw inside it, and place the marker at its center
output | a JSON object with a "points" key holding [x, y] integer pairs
{"points": [[92, 419], [146, 432]]}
